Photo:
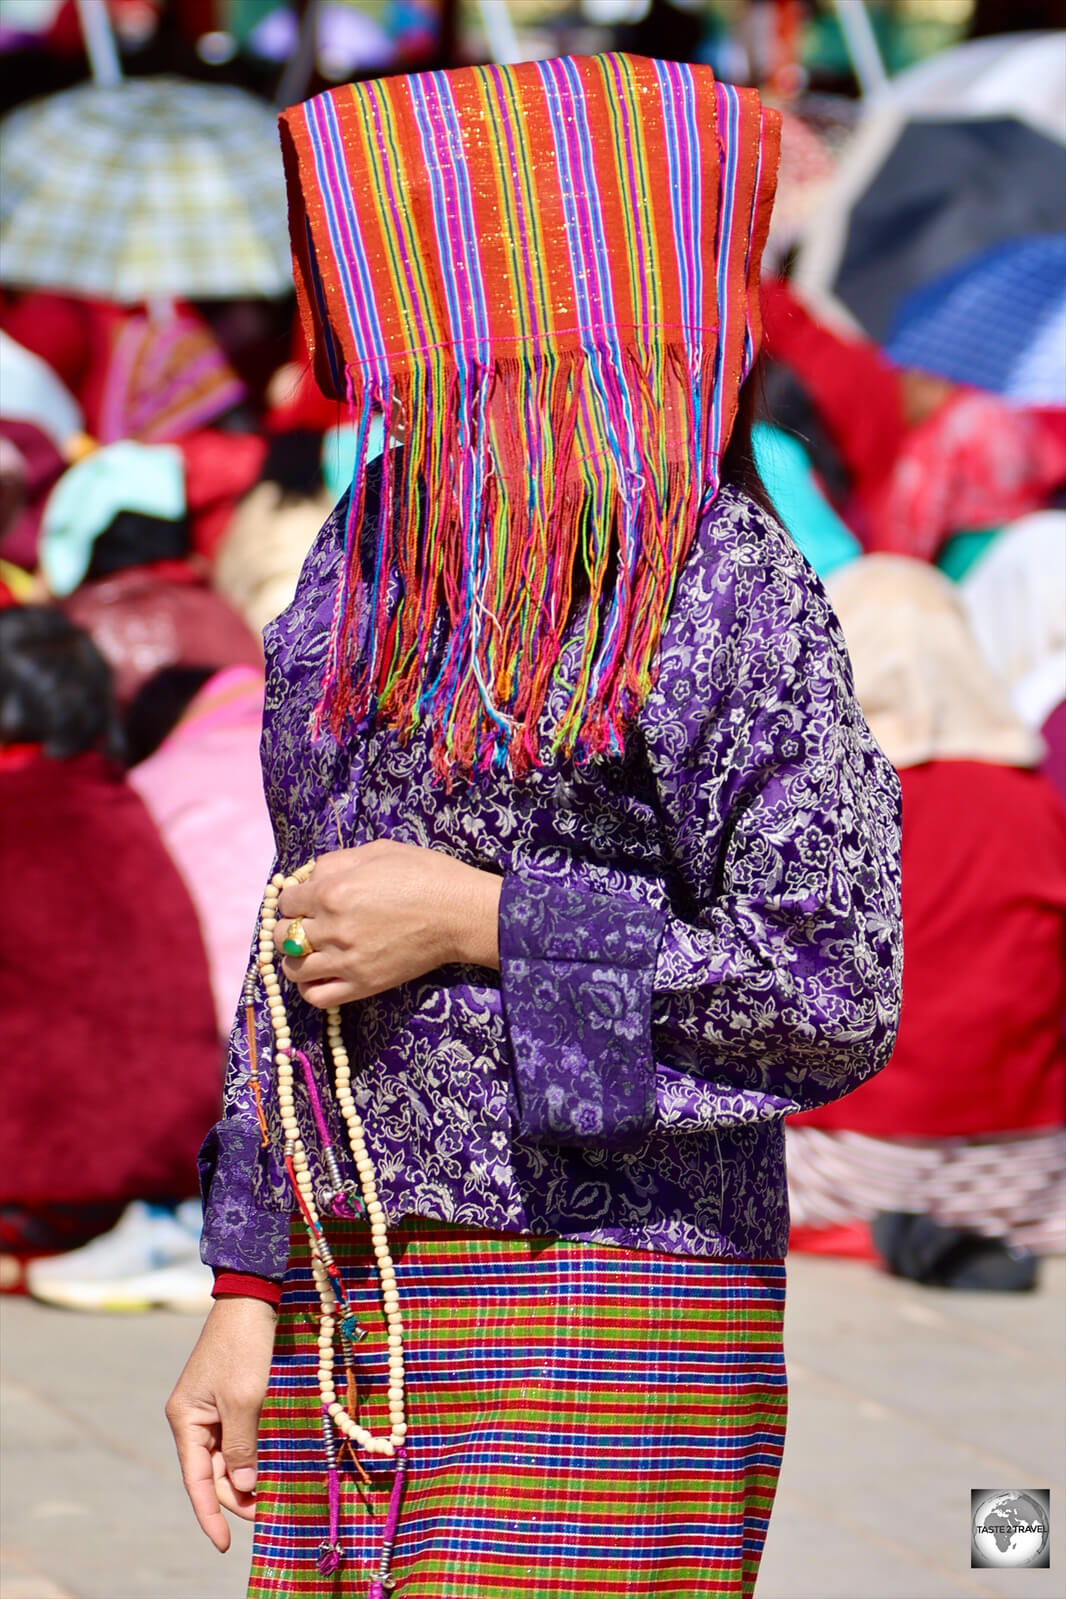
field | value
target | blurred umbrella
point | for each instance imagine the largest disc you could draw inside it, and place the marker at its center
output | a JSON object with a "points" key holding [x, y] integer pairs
{"points": [[957, 154], [1019, 75], [997, 322], [935, 193], [149, 189]]}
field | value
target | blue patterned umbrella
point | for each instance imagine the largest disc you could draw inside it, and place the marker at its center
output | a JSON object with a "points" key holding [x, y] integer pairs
{"points": [[998, 322]]}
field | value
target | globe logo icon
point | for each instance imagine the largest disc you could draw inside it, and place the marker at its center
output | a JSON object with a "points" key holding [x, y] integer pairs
{"points": [[1010, 1529]]}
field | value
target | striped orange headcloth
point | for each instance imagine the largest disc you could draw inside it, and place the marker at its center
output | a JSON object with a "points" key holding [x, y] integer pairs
{"points": [[545, 279]]}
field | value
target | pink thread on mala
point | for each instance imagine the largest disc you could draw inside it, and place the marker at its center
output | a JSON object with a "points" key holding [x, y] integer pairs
{"points": [[331, 1552], [340, 1203], [381, 1584]]}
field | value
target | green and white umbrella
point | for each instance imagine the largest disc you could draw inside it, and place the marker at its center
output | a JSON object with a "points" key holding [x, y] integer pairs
{"points": [[151, 188]]}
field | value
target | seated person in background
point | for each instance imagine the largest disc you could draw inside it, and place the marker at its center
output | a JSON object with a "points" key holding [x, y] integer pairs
{"points": [[192, 737], [956, 1152], [115, 553], [112, 1060], [259, 558], [916, 459]]}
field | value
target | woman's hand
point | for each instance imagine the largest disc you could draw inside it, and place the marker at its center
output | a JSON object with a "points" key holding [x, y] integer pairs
{"points": [[214, 1412], [386, 913]]}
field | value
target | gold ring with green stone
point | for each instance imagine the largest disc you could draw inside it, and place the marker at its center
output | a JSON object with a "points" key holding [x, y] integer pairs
{"points": [[296, 941]]}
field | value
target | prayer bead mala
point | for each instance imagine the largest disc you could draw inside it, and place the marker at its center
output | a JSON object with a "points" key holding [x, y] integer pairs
{"points": [[336, 1305]]}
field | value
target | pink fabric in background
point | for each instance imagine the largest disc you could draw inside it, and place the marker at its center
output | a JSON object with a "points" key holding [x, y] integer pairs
{"points": [[204, 789], [976, 462], [1054, 735]]}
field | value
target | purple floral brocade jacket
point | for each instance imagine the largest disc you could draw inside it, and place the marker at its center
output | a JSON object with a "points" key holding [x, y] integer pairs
{"points": [[696, 939]]}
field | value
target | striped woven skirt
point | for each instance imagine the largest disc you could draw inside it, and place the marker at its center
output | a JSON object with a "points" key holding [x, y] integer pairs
{"points": [[583, 1421]]}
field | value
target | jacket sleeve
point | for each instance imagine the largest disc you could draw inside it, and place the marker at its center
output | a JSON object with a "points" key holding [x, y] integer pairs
{"points": [[773, 972], [240, 1234]]}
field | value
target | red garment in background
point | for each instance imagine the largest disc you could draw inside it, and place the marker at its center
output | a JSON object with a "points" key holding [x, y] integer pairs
{"points": [[220, 468], [44, 467], [976, 462], [72, 334], [147, 617], [980, 1047], [853, 386], [1053, 733], [111, 1059]]}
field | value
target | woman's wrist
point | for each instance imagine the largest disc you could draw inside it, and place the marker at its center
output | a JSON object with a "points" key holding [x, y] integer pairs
{"points": [[476, 921]]}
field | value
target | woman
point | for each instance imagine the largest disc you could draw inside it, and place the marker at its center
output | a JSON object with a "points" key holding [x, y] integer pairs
{"points": [[104, 1092], [605, 870], [958, 1146]]}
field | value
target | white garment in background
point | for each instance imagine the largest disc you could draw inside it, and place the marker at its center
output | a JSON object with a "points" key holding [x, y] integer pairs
{"points": [[1015, 597]]}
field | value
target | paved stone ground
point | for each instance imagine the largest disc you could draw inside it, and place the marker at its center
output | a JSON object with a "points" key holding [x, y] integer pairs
{"points": [[902, 1401]]}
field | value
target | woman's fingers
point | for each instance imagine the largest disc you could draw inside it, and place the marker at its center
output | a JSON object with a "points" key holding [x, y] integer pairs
{"points": [[214, 1411], [316, 968], [299, 900], [323, 903], [311, 928], [328, 993], [230, 1498], [197, 1448]]}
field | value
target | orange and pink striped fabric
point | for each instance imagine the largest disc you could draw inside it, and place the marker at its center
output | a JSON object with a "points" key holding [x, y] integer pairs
{"points": [[544, 277]]}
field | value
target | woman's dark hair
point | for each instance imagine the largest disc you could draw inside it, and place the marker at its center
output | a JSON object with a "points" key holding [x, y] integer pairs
{"points": [[737, 468], [55, 686], [789, 403], [159, 705]]}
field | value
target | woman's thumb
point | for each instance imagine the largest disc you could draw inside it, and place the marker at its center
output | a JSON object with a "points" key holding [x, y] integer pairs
{"points": [[238, 1448]]}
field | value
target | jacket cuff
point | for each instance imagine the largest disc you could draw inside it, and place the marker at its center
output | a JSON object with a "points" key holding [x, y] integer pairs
{"points": [[238, 1234], [245, 1286], [577, 972]]}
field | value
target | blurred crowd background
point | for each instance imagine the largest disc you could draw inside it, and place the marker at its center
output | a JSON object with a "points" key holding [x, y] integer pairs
{"points": [[166, 462]]}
